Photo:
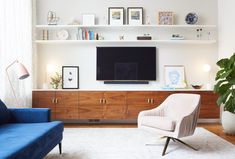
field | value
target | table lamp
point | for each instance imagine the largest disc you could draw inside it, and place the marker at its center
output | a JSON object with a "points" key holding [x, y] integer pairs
{"points": [[207, 68], [22, 73]]}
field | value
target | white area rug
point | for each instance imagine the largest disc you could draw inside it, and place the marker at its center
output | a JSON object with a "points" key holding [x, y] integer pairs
{"points": [[129, 143]]}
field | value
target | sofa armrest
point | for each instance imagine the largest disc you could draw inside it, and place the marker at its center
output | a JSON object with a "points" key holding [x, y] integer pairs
{"points": [[30, 115]]}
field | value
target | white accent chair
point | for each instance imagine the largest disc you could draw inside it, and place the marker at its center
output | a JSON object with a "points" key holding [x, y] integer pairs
{"points": [[176, 117]]}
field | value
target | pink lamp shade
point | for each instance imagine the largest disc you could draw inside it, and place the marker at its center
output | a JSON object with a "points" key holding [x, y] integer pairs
{"points": [[22, 72]]}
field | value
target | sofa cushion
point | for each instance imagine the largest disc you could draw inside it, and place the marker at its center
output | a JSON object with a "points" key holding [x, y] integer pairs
{"points": [[4, 113], [29, 140], [159, 122]]}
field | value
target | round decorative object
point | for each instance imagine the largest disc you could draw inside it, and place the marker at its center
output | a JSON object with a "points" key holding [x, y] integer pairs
{"points": [[62, 35], [191, 18], [197, 86]]}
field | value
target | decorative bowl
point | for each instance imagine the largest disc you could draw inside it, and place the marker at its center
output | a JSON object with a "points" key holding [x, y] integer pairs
{"points": [[197, 86], [191, 18]]}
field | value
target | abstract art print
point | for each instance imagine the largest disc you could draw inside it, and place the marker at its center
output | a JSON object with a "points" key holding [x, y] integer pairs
{"points": [[174, 76], [70, 77], [135, 15], [116, 15]]}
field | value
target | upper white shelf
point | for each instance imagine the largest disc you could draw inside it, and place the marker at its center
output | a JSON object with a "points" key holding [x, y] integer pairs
{"points": [[125, 41], [122, 26]]}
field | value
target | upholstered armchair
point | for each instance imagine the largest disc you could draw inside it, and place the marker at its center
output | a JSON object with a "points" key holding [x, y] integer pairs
{"points": [[176, 117]]}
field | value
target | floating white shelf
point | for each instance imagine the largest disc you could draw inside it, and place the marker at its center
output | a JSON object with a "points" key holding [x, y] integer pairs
{"points": [[122, 26], [125, 41]]}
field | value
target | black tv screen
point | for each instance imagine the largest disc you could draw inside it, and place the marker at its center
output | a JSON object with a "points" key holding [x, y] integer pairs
{"points": [[126, 63]]}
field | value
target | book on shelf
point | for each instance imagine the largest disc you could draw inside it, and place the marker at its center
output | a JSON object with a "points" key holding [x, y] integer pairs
{"points": [[84, 34]]}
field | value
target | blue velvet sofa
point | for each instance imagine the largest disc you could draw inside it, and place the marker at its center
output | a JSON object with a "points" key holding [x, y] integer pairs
{"points": [[28, 133]]}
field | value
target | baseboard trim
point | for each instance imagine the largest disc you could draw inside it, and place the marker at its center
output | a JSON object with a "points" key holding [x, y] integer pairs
{"points": [[208, 121], [124, 121]]}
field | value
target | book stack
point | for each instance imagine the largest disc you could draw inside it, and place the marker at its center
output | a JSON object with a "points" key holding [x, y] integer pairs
{"points": [[85, 34]]}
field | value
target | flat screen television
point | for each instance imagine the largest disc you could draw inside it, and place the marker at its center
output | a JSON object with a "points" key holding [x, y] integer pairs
{"points": [[126, 64]]}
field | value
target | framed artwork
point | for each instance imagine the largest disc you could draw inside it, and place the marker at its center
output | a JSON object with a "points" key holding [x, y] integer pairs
{"points": [[116, 15], [165, 18], [174, 76], [135, 15], [70, 77]]}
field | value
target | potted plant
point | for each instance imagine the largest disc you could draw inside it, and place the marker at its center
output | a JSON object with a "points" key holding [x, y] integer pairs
{"points": [[225, 87], [56, 81]]}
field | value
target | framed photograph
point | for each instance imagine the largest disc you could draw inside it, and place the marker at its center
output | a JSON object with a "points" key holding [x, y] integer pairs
{"points": [[70, 77], [174, 76], [135, 15], [116, 15], [165, 18]]}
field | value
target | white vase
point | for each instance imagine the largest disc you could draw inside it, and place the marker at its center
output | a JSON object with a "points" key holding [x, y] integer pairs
{"points": [[228, 120]]}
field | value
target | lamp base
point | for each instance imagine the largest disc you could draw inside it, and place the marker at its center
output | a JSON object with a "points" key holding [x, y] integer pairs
{"points": [[208, 86], [45, 86]]}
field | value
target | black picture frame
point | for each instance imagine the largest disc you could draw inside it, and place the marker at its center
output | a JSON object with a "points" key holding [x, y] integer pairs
{"points": [[131, 21], [112, 21], [70, 77]]}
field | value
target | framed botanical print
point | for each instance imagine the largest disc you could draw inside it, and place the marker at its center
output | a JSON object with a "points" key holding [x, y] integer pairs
{"points": [[70, 77], [135, 15], [115, 15], [174, 76], [165, 18]]}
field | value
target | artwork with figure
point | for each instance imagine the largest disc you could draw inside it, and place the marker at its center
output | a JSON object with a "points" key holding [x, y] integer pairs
{"points": [[70, 77], [174, 77]]}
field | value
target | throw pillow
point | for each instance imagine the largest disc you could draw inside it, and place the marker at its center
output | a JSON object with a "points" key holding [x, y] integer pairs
{"points": [[4, 113]]}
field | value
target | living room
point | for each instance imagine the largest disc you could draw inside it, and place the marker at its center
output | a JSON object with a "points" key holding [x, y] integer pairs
{"points": [[98, 79]]}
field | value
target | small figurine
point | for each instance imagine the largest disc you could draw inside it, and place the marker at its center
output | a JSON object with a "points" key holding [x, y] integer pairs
{"points": [[51, 18]]}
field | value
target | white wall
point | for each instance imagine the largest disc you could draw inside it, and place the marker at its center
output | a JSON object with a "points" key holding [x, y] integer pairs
{"points": [[191, 56], [226, 28]]}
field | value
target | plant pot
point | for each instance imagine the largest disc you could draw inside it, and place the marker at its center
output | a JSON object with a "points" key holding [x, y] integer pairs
{"points": [[228, 120]]}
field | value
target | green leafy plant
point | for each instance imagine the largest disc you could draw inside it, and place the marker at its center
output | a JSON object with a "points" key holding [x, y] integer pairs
{"points": [[225, 86], [56, 80]]}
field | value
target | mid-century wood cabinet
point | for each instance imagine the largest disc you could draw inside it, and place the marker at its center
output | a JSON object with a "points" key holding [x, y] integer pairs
{"points": [[66, 105], [63, 105], [114, 105], [138, 101], [72, 105], [90, 105], [45, 99], [101, 105]]}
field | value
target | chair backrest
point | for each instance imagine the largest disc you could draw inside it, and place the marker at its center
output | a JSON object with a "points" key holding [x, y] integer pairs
{"points": [[179, 105]]}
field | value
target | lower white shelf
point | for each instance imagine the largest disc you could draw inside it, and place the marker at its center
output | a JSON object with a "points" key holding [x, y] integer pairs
{"points": [[125, 41]]}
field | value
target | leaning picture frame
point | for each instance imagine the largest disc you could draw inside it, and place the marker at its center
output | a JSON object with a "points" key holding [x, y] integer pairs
{"points": [[116, 16], [174, 76], [70, 77], [165, 18], [135, 15]]}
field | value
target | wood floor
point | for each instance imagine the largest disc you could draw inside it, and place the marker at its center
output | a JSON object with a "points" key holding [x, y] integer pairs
{"points": [[215, 128]]}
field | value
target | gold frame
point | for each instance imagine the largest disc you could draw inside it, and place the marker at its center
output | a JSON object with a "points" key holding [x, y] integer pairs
{"points": [[166, 18]]}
